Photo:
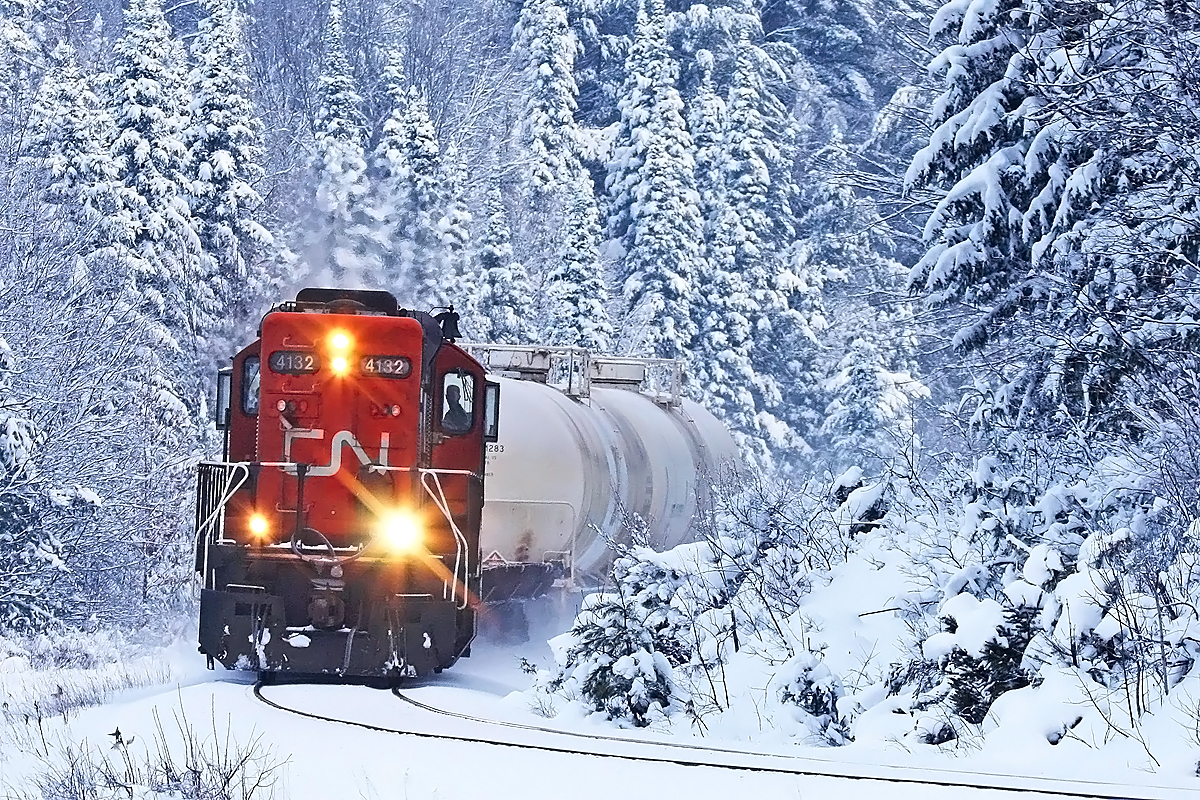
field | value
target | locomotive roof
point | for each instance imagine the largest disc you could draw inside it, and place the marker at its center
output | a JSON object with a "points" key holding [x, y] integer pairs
{"points": [[374, 300]]}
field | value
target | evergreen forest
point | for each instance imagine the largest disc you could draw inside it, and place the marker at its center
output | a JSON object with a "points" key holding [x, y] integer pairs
{"points": [[935, 265]]}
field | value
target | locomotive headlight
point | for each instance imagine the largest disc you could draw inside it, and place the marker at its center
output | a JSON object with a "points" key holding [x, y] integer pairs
{"points": [[401, 530], [258, 525], [340, 341], [339, 365]]}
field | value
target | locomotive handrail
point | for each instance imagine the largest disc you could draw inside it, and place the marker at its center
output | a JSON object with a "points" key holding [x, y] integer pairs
{"points": [[462, 549], [204, 530], [462, 556], [378, 468]]}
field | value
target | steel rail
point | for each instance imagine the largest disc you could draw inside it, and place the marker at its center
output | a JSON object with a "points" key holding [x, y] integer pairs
{"points": [[1138, 791]]}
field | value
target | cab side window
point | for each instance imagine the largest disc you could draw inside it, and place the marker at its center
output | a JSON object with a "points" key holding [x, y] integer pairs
{"points": [[251, 379], [458, 402]]}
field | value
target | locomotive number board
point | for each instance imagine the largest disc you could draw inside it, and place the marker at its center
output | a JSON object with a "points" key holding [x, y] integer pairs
{"points": [[385, 366], [294, 362]]}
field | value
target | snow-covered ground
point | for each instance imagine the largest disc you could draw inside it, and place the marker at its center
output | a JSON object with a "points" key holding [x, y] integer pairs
{"points": [[322, 760]]}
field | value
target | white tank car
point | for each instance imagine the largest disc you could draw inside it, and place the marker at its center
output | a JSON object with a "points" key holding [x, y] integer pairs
{"points": [[581, 439]]}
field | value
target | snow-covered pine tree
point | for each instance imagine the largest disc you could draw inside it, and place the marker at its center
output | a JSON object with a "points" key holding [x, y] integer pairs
{"points": [[29, 561], [722, 370], [844, 54], [724, 309], [20, 57], [756, 224], [335, 239], [740, 301], [707, 122], [71, 136], [612, 665], [149, 225], [577, 294], [391, 177], [869, 411], [503, 308], [165, 305], [546, 48], [636, 103], [425, 280], [224, 143], [548, 136], [456, 282], [1051, 221], [655, 210], [852, 381]]}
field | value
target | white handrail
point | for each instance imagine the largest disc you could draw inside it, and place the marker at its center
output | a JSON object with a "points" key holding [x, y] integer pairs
{"points": [[462, 554], [202, 533]]}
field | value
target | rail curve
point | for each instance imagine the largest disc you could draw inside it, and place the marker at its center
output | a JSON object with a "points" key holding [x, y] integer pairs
{"points": [[1095, 790]]}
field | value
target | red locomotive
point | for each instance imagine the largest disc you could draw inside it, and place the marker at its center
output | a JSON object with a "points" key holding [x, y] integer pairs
{"points": [[340, 533]]}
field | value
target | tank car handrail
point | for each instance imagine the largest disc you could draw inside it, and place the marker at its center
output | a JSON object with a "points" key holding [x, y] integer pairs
{"points": [[535, 359], [582, 367]]}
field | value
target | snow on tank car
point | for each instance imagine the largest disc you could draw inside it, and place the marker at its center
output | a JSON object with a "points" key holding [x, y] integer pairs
{"points": [[582, 439]]}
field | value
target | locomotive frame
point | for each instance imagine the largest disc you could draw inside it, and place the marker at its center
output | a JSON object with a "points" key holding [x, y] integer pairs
{"points": [[311, 563]]}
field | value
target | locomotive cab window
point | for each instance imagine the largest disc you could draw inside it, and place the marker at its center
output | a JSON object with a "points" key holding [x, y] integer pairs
{"points": [[491, 411], [251, 379], [458, 401], [224, 392]]}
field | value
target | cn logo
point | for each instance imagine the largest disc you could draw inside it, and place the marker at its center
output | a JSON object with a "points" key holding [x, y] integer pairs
{"points": [[341, 440]]}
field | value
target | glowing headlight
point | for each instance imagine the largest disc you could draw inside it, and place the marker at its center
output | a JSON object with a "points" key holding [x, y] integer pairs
{"points": [[340, 341], [339, 365], [401, 530], [258, 525]]}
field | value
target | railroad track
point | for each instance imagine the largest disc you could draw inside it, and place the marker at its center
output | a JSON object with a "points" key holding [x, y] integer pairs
{"points": [[754, 762]]}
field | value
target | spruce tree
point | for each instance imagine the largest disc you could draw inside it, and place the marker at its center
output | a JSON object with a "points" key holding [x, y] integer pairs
{"points": [[612, 664], [655, 210], [1068, 217], [852, 337], [424, 280], [30, 562], [707, 121], [548, 136], [335, 242], [636, 103], [503, 308], [392, 211], [576, 291], [547, 48], [454, 284], [149, 225], [71, 139], [723, 372], [739, 301], [225, 154], [724, 309], [753, 226]]}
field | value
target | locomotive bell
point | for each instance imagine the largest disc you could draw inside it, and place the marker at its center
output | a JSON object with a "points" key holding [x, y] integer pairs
{"points": [[448, 319]]}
